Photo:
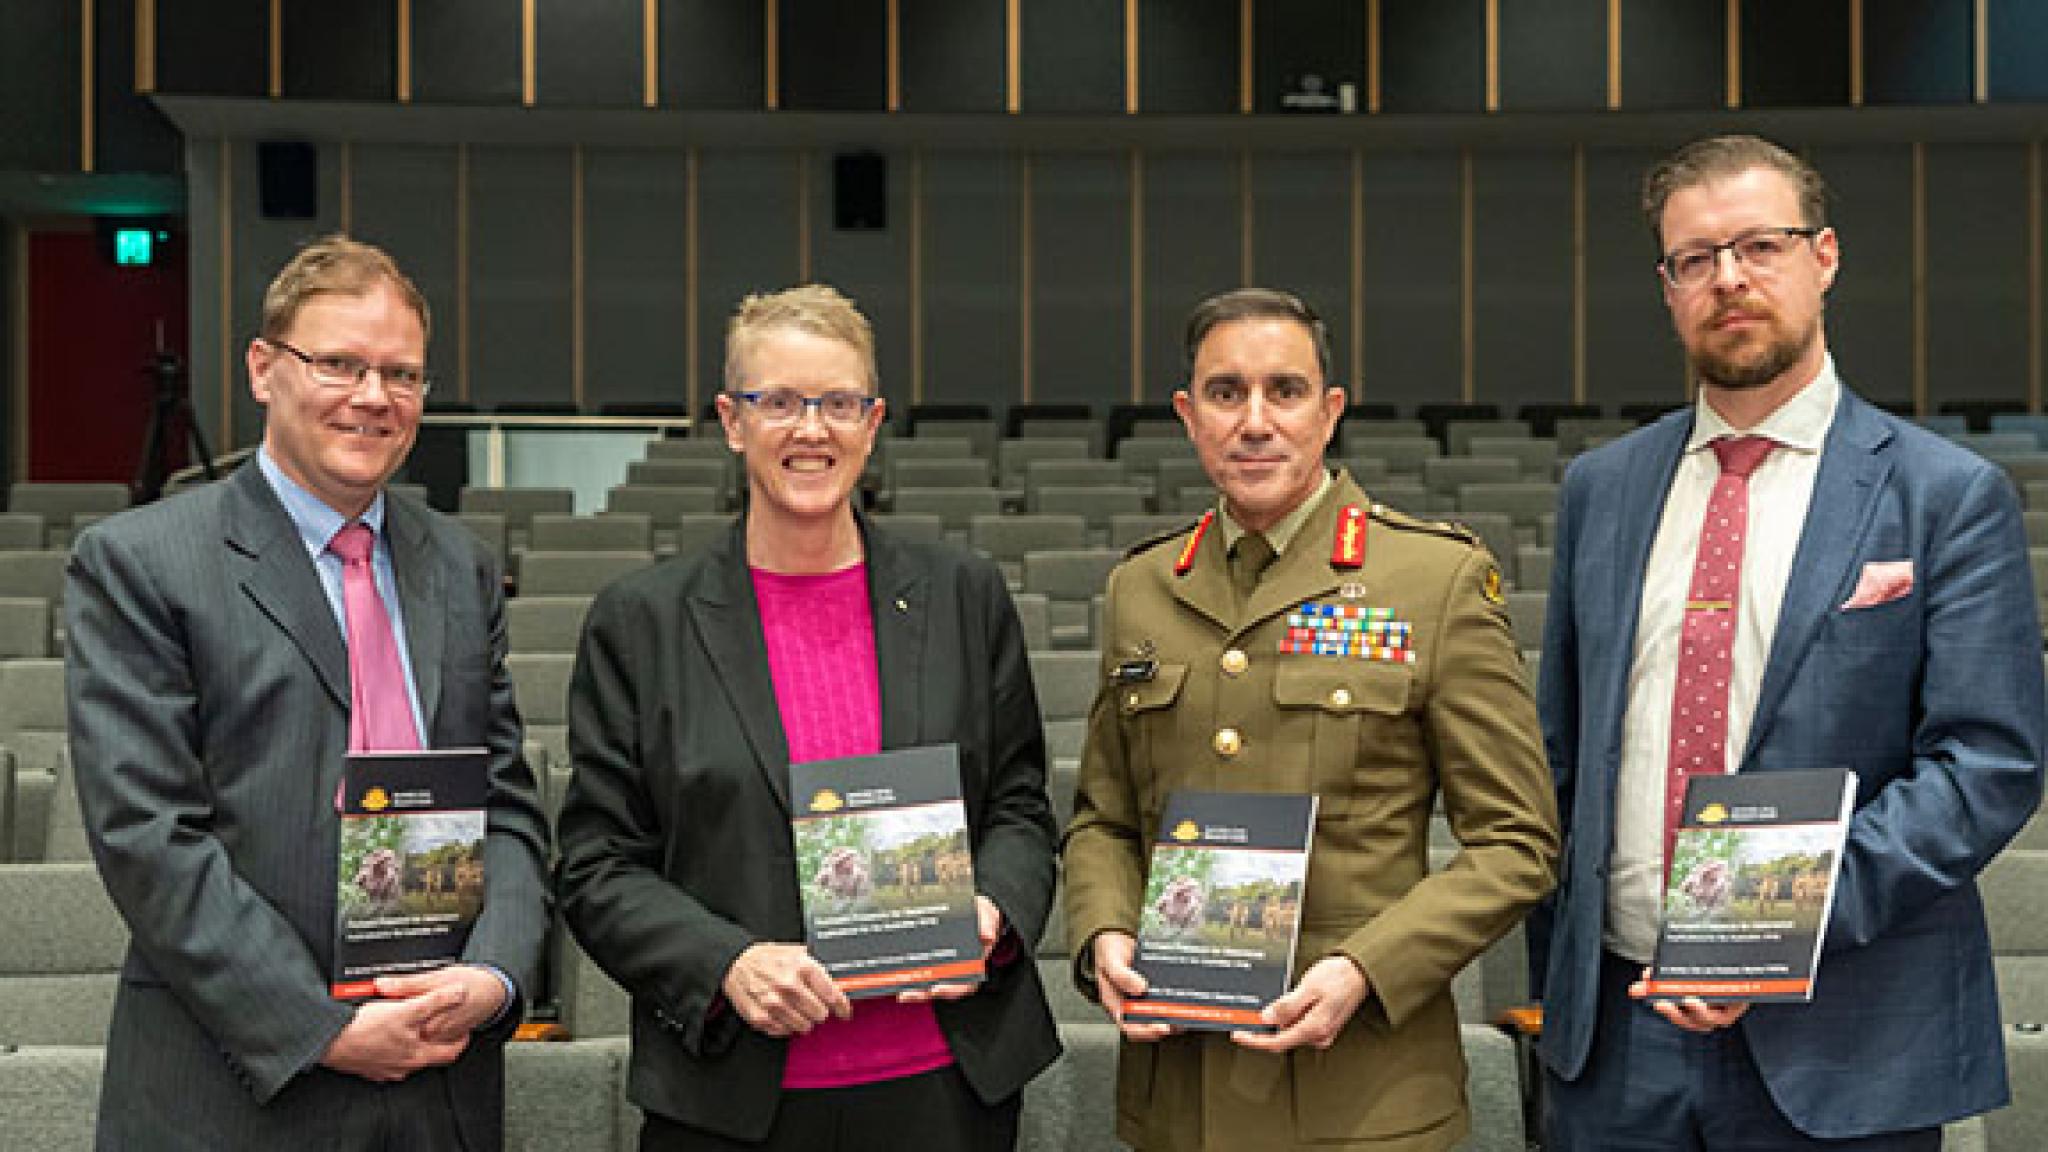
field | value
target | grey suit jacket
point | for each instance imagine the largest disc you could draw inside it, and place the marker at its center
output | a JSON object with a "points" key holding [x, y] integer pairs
{"points": [[676, 850], [208, 700]]}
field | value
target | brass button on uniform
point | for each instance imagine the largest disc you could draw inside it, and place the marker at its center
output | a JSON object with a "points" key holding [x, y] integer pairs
{"points": [[1228, 742], [1340, 698], [1131, 701], [1235, 662]]}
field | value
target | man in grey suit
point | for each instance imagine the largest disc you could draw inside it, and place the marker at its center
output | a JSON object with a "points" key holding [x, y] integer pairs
{"points": [[210, 714]]}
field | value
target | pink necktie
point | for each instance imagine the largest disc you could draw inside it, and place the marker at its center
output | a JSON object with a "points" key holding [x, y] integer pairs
{"points": [[380, 707], [1706, 656]]}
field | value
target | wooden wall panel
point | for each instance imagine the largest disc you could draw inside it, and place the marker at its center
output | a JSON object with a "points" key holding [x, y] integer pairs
{"points": [[1673, 55], [589, 53], [1072, 56], [835, 55], [1522, 277], [1188, 55], [635, 276], [747, 235], [521, 223], [1295, 37], [213, 47], [972, 269], [871, 266], [1977, 271], [1919, 51], [1870, 310], [340, 51], [1795, 55], [1411, 277], [1081, 274], [1301, 230], [713, 55], [467, 51], [954, 54], [1432, 55], [1553, 55], [1632, 355], [1194, 221]]}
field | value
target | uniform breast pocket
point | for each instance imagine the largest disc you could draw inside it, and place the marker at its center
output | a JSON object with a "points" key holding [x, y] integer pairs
{"points": [[1357, 713], [1146, 712]]}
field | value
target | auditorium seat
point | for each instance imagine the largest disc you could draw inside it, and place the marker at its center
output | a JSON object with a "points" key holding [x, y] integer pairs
{"points": [[545, 623], [49, 1097], [1525, 502], [1097, 504], [1537, 458], [1353, 427], [59, 503], [589, 1002], [567, 1097], [2022, 1126], [1572, 435], [1088, 430], [1494, 530], [1065, 681], [982, 434], [1459, 434], [1127, 530], [678, 448], [1543, 418], [1444, 475], [952, 472], [691, 532], [1141, 458], [1532, 568], [60, 957], [1172, 474], [21, 532], [713, 474], [663, 505], [1035, 617], [1013, 457], [1404, 455], [1190, 500], [926, 526], [1437, 418], [46, 824], [540, 685], [2034, 424], [576, 573], [39, 573], [608, 532], [1070, 580], [956, 508], [1997, 446], [1005, 539], [25, 626], [1527, 609], [489, 528], [1365, 471], [518, 506]]}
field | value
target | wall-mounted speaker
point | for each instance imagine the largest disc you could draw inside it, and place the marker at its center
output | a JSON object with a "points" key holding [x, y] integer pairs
{"points": [[287, 180], [860, 191]]}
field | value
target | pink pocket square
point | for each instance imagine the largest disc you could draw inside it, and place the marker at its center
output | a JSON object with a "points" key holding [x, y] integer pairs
{"points": [[1881, 583]]}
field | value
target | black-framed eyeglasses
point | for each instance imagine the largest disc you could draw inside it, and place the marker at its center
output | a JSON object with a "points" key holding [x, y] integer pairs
{"points": [[1761, 250], [779, 406], [346, 373]]}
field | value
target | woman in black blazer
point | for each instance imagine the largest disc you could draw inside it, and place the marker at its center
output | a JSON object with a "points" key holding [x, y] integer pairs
{"points": [[805, 633]]}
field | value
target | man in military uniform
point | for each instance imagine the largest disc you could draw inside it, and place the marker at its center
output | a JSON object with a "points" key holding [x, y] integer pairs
{"points": [[1301, 638]]}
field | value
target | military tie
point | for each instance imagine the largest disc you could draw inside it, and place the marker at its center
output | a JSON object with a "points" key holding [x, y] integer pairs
{"points": [[1706, 656], [1248, 562], [380, 707]]}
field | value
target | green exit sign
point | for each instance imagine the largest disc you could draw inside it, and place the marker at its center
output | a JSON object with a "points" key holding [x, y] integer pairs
{"points": [[135, 247]]}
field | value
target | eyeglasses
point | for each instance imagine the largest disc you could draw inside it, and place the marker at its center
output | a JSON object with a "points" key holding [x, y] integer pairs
{"points": [[781, 406], [1232, 393], [1763, 251], [347, 372]]}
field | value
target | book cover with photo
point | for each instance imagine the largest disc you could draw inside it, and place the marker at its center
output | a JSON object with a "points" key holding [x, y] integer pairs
{"points": [[1222, 908], [886, 871], [409, 881], [1751, 884]]}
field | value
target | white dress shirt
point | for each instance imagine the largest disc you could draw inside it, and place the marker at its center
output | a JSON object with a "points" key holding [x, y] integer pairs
{"points": [[1780, 490]]}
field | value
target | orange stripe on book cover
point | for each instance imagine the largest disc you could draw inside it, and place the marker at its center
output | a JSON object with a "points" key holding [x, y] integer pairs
{"points": [[1728, 987], [1244, 1016], [910, 975]]}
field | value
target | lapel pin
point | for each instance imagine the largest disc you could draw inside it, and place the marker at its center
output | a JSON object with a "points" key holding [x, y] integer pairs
{"points": [[901, 606], [1351, 590]]}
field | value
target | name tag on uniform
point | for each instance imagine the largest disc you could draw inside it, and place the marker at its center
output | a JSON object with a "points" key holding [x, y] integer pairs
{"points": [[1135, 672], [1348, 631]]}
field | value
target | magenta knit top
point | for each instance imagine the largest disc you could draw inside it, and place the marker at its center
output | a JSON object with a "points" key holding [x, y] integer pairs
{"points": [[821, 655]]}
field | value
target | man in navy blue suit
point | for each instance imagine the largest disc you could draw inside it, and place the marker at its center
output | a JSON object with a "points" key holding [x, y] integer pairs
{"points": [[1872, 609]]}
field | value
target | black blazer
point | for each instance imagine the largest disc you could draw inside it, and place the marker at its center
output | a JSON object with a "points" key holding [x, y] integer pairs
{"points": [[675, 836], [209, 702]]}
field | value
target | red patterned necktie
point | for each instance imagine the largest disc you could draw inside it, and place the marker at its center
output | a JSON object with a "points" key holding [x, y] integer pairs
{"points": [[1706, 649], [380, 707]]}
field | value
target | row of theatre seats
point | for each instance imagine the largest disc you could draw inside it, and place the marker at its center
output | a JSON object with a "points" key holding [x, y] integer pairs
{"points": [[63, 946]]}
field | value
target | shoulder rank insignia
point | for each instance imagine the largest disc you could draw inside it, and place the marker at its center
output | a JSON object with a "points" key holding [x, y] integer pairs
{"points": [[1348, 549], [1187, 552]]}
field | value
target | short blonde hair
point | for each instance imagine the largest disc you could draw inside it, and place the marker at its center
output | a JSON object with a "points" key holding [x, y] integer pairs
{"points": [[335, 265], [816, 309]]}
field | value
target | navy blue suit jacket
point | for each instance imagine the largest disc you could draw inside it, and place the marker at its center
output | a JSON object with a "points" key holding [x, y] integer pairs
{"points": [[1934, 700]]}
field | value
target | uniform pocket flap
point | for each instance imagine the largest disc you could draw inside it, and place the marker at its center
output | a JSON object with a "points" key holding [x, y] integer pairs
{"points": [[1150, 695], [1334, 684]]}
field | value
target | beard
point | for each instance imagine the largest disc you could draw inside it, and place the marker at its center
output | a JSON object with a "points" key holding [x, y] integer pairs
{"points": [[1746, 365]]}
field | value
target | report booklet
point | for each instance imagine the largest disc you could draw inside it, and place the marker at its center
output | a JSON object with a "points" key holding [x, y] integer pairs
{"points": [[885, 869], [1751, 884], [410, 874], [1222, 908]]}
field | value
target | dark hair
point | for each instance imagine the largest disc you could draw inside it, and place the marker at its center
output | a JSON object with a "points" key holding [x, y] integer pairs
{"points": [[1725, 157], [1256, 304]]}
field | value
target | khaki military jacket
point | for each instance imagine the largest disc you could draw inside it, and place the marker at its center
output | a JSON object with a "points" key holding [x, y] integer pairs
{"points": [[1197, 693]]}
